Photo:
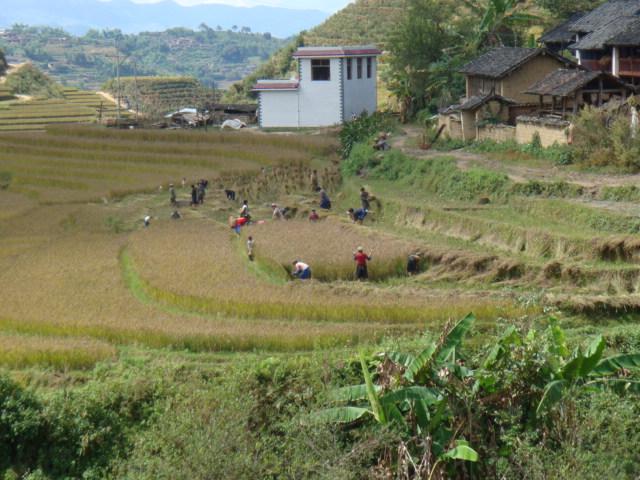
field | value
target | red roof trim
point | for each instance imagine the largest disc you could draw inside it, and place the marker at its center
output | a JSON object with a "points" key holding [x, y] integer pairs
{"points": [[336, 53], [276, 86]]}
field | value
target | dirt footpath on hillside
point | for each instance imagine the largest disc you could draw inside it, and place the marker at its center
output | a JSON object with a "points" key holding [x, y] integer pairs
{"points": [[517, 173]]}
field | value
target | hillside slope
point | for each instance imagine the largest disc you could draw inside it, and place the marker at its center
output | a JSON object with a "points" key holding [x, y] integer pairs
{"points": [[362, 22]]}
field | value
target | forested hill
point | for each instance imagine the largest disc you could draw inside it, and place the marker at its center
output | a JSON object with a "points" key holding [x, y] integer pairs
{"points": [[211, 55], [362, 22]]}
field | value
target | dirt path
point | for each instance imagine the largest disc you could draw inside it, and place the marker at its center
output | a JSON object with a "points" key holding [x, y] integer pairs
{"points": [[517, 173]]}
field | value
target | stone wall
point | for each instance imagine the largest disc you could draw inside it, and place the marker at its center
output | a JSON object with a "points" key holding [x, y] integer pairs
{"points": [[497, 133], [550, 130], [452, 125]]}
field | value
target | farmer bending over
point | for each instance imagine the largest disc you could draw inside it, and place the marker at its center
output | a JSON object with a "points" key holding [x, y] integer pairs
{"points": [[413, 264], [301, 270], [361, 260], [357, 216]]}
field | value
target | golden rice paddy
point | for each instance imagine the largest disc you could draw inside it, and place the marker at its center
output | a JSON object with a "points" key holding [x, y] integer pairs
{"points": [[81, 276]]}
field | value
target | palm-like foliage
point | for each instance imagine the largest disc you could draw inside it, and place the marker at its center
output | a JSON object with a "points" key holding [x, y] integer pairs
{"points": [[501, 21], [410, 392]]}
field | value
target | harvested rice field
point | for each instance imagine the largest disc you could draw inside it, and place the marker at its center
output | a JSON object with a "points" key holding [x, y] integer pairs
{"points": [[83, 277]]}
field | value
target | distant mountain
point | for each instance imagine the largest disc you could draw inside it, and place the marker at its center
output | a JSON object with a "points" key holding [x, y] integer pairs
{"points": [[78, 16]]}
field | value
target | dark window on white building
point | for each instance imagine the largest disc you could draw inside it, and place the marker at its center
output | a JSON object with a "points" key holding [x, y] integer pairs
{"points": [[369, 67], [359, 66], [349, 65], [320, 70]]}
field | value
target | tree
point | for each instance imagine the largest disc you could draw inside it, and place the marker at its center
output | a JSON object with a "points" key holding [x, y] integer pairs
{"points": [[426, 36], [562, 9], [3, 63], [502, 22]]}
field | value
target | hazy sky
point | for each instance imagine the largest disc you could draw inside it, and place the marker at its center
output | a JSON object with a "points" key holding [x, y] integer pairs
{"points": [[325, 5]]}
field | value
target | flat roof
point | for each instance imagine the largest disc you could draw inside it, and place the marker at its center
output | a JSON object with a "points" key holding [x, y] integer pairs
{"points": [[349, 51], [275, 85]]}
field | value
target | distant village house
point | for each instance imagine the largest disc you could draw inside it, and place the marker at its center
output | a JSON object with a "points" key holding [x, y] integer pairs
{"points": [[334, 84], [516, 93]]}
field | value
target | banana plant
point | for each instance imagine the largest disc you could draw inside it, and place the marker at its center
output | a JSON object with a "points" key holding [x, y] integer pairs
{"points": [[416, 402], [588, 368]]}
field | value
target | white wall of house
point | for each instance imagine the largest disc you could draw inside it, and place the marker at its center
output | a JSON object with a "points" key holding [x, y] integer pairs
{"points": [[279, 109], [320, 100], [360, 94]]}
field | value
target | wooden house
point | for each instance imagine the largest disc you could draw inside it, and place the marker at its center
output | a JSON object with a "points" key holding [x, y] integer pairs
{"points": [[496, 82], [606, 39]]}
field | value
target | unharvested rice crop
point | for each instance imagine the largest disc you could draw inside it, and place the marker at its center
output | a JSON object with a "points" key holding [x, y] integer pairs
{"points": [[328, 247], [54, 165], [200, 267], [18, 351]]}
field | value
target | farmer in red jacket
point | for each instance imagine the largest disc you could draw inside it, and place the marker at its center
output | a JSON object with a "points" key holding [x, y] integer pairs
{"points": [[361, 260]]}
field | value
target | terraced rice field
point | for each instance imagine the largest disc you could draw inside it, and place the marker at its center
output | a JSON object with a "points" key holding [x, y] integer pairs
{"points": [[82, 163], [35, 114], [81, 274]]}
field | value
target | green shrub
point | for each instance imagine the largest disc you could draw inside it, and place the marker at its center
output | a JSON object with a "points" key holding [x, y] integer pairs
{"points": [[364, 129], [29, 80]]}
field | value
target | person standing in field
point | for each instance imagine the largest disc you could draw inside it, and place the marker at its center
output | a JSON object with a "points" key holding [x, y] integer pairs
{"points": [[146, 220], [325, 201], [250, 245], [172, 194], [194, 195], [315, 184], [244, 210], [313, 216], [301, 270], [184, 182], [364, 199], [361, 259]]}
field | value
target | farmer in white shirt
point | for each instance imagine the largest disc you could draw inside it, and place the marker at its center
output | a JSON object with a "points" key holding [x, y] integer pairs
{"points": [[301, 270]]}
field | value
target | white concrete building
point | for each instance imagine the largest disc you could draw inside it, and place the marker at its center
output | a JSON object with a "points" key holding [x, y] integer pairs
{"points": [[333, 85]]}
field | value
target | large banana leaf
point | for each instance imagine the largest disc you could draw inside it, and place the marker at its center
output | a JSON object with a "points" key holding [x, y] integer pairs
{"points": [[340, 415], [462, 451], [559, 341], [509, 338], [552, 394], [612, 365], [404, 359], [419, 363], [572, 368], [619, 385], [351, 393], [427, 395], [454, 338], [372, 395], [592, 356]]}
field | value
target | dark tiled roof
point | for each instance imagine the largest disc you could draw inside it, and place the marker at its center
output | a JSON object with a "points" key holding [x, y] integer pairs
{"points": [[477, 101], [630, 37], [597, 39], [564, 82], [605, 14], [499, 62], [562, 33]]}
